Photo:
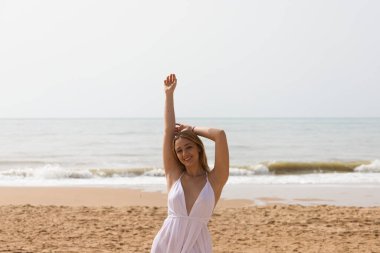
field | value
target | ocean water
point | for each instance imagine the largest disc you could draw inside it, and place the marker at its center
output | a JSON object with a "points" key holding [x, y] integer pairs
{"points": [[127, 152]]}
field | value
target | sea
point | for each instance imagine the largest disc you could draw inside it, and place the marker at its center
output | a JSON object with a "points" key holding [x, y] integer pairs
{"points": [[127, 152]]}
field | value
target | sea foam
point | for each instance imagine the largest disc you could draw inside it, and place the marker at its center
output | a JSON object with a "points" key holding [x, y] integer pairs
{"points": [[374, 166]]}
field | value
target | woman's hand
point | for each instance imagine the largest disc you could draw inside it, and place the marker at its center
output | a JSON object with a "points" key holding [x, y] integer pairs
{"points": [[181, 127], [170, 83]]}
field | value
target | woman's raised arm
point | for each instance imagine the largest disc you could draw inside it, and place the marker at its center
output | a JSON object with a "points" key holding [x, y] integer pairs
{"points": [[222, 161], [171, 166]]}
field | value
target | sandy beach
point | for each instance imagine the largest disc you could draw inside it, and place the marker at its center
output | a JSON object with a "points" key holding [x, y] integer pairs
{"points": [[51, 219]]}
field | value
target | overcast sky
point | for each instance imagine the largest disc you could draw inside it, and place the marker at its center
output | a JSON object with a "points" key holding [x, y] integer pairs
{"points": [[232, 58]]}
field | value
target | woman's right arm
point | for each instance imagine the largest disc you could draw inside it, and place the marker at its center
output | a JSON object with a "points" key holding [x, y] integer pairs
{"points": [[171, 166]]}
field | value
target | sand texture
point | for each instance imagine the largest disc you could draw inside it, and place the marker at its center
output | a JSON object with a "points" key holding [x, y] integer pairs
{"points": [[277, 228]]}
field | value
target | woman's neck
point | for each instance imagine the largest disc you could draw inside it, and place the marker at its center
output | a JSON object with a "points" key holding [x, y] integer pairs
{"points": [[195, 172]]}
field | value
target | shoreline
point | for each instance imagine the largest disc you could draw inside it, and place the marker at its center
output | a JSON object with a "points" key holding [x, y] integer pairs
{"points": [[354, 195], [233, 195]]}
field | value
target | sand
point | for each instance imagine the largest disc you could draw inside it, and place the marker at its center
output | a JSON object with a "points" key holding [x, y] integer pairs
{"points": [[124, 220]]}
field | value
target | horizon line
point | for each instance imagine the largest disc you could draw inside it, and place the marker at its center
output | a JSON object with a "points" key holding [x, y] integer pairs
{"points": [[201, 117]]}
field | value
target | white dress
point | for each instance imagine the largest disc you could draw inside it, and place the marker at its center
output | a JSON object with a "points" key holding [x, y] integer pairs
{"points": [[182, 233]]}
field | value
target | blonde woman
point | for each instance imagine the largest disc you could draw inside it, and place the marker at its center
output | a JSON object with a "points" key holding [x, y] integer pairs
{"points": [[193, 189]]}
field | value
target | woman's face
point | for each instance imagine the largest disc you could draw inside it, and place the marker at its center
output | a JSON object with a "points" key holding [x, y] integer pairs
{"points": [[187, 152]]}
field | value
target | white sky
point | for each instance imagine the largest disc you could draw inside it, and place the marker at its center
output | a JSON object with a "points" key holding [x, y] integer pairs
{"points": [[233, 58]]}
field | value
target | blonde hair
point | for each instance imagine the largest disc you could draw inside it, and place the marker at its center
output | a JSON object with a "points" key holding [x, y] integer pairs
{"points": [[191, 136]]}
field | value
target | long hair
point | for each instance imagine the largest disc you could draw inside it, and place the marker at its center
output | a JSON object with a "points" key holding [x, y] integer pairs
{"points": [[191, 136]]}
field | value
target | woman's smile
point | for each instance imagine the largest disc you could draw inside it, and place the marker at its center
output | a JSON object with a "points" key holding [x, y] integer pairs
{"points": [[187, 159]]}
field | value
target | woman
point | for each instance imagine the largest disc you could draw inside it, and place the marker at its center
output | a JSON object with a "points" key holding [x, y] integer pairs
{"points": [[193, 189]]}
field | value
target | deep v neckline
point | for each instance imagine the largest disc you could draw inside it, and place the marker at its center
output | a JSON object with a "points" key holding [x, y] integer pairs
{"points": [[196, 200]]}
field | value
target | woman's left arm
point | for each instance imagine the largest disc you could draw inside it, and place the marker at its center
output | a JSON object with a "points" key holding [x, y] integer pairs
{"points": [[222, 163]]}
